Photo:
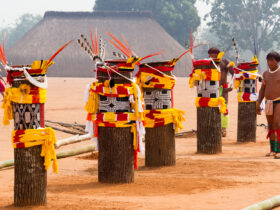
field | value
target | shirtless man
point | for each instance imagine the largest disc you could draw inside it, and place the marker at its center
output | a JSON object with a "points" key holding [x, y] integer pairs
{"points": [[270, 90], [225, 69]]}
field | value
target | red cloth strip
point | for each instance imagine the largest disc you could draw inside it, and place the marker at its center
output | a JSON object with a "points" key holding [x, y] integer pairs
{"points": [[135, 159], [42, 115], [270, 131], [246, 96], [122, 117], [203, 102]]}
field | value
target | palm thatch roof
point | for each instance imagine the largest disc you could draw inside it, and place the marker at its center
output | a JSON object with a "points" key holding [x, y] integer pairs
{"points": [[142, 32]]}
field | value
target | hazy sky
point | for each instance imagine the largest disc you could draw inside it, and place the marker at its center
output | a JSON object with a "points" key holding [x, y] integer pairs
{"points": [[12, 9]]}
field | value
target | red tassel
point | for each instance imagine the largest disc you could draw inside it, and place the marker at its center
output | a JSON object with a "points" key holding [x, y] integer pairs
{"points": [[135, 159], [96, 129], [270, 132]]}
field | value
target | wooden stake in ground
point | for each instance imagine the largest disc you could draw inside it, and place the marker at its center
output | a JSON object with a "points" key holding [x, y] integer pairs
{"points": [[33, 143], [115, 158], [160, 134], [209, 130], [209, 104], [30, 175], [246, 83], [247, 122]]}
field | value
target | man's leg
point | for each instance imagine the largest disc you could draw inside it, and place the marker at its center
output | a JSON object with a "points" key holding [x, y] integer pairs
{"points": [[224, 118], [276, 125], [271, 135]]}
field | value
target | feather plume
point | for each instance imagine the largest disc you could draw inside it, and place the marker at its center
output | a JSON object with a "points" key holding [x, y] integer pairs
{"points": [[57, 52], [88, 51], [124, 49]]}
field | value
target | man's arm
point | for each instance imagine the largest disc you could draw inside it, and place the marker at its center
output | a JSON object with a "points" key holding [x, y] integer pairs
{"points": [[260, 98]]}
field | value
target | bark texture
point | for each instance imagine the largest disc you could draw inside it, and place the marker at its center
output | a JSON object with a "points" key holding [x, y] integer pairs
{"points": [[247, 122], [160, 146], [209, 139]]}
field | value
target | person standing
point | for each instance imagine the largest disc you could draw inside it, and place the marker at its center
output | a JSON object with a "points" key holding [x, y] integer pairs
{"points": [[270, 90]]}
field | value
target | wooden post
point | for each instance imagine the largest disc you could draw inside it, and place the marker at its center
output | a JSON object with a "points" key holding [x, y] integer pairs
{"points": [[159, 141], [160, 146], [247, 122], [209, 104], [115, 158], [209, 138], [30, 181], [247, 96]]}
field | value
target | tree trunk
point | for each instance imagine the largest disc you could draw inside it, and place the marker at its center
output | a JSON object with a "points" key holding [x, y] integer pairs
{"points": [[30, 174], [116, 153], [160, 146], [209, 139], [247, 122], [115, 159], [160, 141], [30, 177]]}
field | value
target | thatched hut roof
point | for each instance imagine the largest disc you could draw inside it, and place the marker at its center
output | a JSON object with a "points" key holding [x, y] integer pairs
{"points": [[142, 32]]}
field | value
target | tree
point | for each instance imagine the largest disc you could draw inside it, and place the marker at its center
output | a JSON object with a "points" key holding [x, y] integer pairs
{"points": [[253, 23], [23, 24], [177, 17]]}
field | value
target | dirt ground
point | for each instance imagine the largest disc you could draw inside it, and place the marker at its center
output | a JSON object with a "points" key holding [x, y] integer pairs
{"points": [[237, 178]]}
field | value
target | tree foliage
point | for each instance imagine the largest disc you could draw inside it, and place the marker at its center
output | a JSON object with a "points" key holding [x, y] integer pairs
{"points": [[248, 21], [177, 17], [23, 24]]}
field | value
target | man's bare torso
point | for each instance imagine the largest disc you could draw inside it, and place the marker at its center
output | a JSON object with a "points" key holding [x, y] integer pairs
{"points": [[272, 85]]}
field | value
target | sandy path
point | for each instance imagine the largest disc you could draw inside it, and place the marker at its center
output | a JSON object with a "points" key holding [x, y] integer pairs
{"points": [[238, 177]]}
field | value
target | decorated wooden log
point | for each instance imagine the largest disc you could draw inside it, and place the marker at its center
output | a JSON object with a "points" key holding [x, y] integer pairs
{"points": [[209, 130], [113, 112], [206, 76], [161, 118], [246, 75], [30, 174], [33, 143], [24, 103]]}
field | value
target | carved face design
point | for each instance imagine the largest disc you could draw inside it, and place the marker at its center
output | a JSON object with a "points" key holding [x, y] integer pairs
{"points": [[157, 99], [249, 86], [114, 104], [208, 89]]}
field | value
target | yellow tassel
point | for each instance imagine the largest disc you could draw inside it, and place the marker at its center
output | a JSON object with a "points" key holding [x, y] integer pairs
{"points": [[45, 137], [255, 59], [7, 106], [107, 83], [231, 64], [133, 130], [220, 55]]}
